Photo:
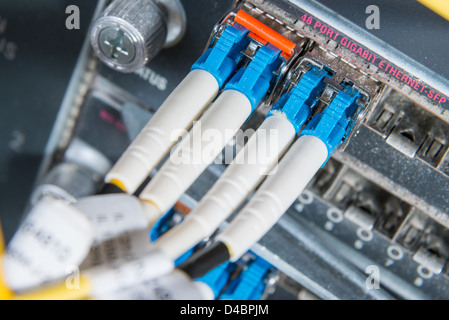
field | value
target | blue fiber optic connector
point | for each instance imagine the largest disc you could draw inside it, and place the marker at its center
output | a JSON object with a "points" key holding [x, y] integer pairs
{"points": [[222, 59], [298, 104], [254, 81], [335, 123]]}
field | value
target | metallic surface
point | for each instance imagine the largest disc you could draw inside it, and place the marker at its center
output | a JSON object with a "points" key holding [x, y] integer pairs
{"points": [[365, 38], [407, 178], [176, 21], [407, 26], [387, 51], [129, 33], [117, 45]]}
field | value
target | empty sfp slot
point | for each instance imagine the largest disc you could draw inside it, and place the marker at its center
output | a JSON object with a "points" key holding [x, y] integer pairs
{"points": [[411, 130], [407, 138]]}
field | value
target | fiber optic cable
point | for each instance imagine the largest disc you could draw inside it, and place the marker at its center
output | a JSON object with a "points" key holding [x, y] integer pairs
{"points": [[215, 129], [144, 278], [250, 166], [180, 109], [318, 141], [440, 7]]}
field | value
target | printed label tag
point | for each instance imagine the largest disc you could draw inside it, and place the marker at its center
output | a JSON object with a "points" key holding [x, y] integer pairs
{"points": [[120, 229], [54, 236]]}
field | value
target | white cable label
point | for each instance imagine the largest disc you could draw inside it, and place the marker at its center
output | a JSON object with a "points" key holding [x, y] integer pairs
{"points": [[125, 247], [133, 282], [53, 237], [120, 229], [128, 280]]}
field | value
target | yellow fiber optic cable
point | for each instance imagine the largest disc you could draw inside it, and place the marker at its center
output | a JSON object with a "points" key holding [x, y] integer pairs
{"points": [[5, 293], [2, 240], [440, 7]]}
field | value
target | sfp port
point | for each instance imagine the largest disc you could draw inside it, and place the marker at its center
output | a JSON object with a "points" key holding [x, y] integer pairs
{"points": [[405, 124], [407, 138], [307, 52], [325, 178], [364, 203], [427, 240], [411, 130], [394, 213], [412, 231]]}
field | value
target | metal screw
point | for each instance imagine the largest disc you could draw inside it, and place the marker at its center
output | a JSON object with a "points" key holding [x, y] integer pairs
{"points": [[116, 44], [130, 33]]}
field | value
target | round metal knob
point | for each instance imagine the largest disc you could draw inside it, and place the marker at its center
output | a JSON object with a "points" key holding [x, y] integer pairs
{"points": [[129, 33]]}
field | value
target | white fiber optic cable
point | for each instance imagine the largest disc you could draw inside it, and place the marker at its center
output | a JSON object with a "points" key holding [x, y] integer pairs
{"points": [[150, 277], [249, 167], [184, 105], [275, 196], [215, 129], [177, 113], [176, 285], [196, 151], [324, 133]]}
